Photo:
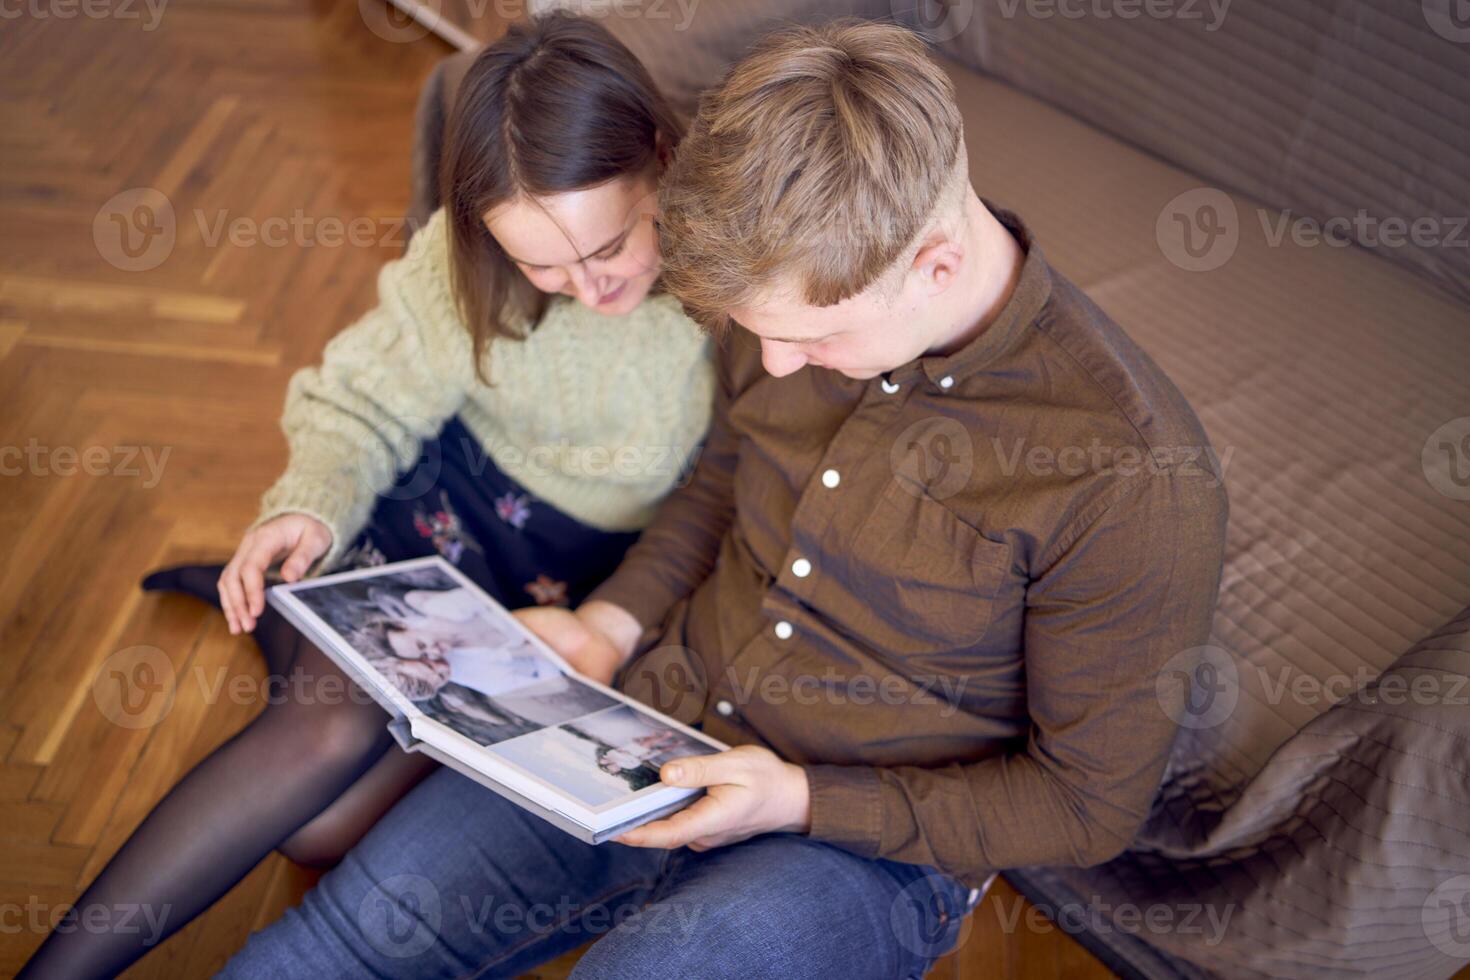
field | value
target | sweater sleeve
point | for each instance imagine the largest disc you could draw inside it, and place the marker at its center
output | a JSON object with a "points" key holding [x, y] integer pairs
{"points": [[384, 385]]}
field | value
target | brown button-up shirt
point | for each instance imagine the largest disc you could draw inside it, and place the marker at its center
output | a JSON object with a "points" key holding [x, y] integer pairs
{"points": [[947, 592]]}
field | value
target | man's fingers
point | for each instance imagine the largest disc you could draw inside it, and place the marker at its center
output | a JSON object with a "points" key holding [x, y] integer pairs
{"points": [[704, 770], [563, 632], [703, 818], [538, 625], [700, 819], [534, 619]]}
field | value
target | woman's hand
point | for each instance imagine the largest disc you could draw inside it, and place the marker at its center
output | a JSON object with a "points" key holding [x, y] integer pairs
{"points": [[595, 644], [296, 538]]}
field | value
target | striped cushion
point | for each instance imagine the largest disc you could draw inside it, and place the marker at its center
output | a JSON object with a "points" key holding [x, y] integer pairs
{"points": [[1357, 110], [1329, 381]]}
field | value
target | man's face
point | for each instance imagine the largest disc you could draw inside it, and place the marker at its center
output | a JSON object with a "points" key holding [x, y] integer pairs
{"points": [[884, 327]]}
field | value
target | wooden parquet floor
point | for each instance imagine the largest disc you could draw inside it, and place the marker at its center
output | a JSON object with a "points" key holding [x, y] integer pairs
{"points": [[175, 187]]}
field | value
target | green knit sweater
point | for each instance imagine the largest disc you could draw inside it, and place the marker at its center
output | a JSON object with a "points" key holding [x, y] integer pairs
{"points": [[595, 415]]}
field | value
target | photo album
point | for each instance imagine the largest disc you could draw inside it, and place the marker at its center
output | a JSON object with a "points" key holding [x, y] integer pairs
{"points": [[467, 684]]}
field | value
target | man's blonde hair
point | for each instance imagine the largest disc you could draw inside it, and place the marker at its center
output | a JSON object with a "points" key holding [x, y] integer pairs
{"points": [[814, 165]]}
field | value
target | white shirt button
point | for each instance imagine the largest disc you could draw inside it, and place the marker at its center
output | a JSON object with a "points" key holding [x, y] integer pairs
{"points": [[784, 630], [888, 387], [725, 708], [946, 382], [801, 568], [831, 478]]}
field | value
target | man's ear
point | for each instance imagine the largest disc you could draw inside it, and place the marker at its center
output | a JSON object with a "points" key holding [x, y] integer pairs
{"points": [[938, 263]]}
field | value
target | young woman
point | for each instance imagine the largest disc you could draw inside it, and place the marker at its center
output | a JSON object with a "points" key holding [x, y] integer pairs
{"points": [[474, 715], [518, 402]]}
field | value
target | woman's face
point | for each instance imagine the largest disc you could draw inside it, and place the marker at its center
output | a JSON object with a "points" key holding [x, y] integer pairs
{"points": [[423, 641], [422, 677], [597, 244]]}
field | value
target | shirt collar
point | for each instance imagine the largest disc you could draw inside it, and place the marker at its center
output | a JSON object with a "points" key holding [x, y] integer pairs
{"points": [[1032, 292]]}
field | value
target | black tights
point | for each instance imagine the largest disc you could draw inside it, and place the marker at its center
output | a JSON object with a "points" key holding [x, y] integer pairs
{"points": [[308, 777]]}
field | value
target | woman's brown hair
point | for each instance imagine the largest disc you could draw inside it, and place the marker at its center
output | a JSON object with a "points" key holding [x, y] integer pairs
{"points": [[558, 104]]}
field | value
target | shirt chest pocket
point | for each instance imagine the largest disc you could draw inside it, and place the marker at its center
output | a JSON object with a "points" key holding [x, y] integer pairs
{"points": [[915, 579]]}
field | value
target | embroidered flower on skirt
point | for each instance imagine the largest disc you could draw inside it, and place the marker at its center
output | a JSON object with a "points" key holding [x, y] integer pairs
{"points": [[364, 554], [444, 528], [547, 591], [513, 508]]}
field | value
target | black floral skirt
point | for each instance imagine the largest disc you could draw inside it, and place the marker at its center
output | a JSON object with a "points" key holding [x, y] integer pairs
{"points": [[455, 502]]}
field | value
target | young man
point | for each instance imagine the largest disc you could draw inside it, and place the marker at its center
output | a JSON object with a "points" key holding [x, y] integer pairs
{"points": [[948, 527]]}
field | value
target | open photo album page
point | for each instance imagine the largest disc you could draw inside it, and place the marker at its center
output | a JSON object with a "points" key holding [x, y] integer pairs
{"points": [[436, 646]]}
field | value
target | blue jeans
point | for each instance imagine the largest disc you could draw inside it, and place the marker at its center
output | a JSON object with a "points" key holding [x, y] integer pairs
{"points": [[457, 882]]}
